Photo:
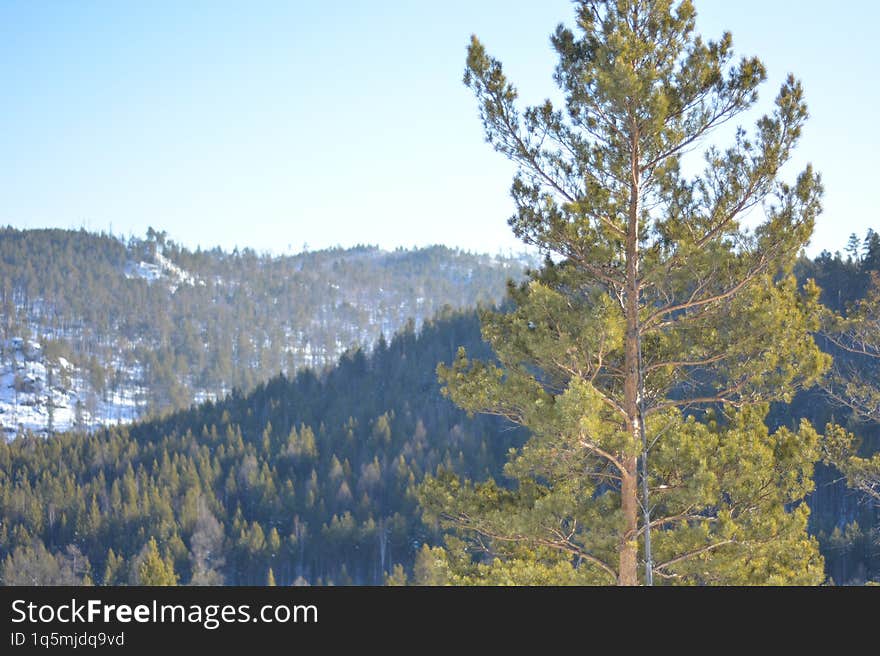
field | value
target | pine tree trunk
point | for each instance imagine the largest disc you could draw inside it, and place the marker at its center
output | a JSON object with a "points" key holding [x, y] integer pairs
{"points": [[629, 493], [629, 566]]}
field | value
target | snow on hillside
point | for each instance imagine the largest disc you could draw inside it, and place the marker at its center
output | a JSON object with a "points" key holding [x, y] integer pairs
{"points": [[162, 268], [245, 317], [28, 401]]}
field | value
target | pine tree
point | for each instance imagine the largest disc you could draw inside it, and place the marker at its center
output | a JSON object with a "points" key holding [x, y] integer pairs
{"points": [[112, 568], [155, 570], [656, 309], [853, 247], [862, 473], [871, 251], [397, 577], [853, 383]]}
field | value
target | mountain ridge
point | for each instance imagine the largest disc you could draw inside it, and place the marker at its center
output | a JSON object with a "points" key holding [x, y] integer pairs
{"points": [[148, 326]]}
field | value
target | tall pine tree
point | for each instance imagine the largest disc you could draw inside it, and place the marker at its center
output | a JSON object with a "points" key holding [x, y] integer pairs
{"points": [[659, 328]]}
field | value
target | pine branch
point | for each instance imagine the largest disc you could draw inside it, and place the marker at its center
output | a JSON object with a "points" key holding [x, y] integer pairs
{"points": [[692, 554]]}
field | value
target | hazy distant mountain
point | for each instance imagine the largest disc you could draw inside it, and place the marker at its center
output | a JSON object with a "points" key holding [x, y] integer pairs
{"points": [[97, 330]]}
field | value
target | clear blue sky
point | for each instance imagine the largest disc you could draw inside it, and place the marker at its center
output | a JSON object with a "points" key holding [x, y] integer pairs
{"points": [[274, 124]]}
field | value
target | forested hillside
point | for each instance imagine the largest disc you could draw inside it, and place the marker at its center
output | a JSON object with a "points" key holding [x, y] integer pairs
{"points": [[310, 476], [98, 330]]}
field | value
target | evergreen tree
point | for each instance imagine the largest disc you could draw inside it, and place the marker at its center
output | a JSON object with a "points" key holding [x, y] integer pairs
{"points": [[112, 569], [871, 251], [862, 473], [153, 569], [853, 383], [853, 247], [659, 308], [397, 577]]}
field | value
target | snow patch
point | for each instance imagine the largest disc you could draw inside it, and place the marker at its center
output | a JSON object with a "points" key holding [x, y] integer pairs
{"points": [[28, 400], [161, 269]]}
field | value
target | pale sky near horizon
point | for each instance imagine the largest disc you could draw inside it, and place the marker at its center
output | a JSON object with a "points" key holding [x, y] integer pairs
{"points": [[275, 124]]}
